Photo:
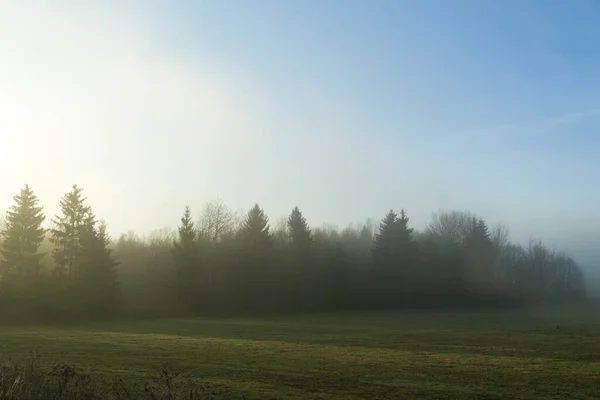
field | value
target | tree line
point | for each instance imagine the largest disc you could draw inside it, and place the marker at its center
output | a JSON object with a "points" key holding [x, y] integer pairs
{"points": [[232, 263]]}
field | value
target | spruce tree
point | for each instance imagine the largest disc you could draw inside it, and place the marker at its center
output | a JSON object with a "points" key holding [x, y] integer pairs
{"points": [[22, 286], [84, 263], [385, 239], [406, 242], [187, 233], [23, 234], [255, 229], [479, 240], [394, 244], [479, 254], [394, 257], [254, 265], [68, 229], [185, 257], [300, 234], [96, 280]]}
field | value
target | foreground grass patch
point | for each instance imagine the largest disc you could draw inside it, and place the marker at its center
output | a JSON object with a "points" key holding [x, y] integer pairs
{"points": [[535, 354]]}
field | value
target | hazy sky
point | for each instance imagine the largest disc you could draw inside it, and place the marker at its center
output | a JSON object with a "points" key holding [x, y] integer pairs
{"points": [[345, 108]]}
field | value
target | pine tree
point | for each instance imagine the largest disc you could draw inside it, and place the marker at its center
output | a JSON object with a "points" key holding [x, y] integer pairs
{"points": [[254, 264], [255, 228], [300, 234], [22, 285], [23, 234], [185, 255], [394, 257], [395, 246], [68, 229], [479, 254], [84, 263], [404, 232], [385, 239], [479, 240], [96, 280], [187, 233]]}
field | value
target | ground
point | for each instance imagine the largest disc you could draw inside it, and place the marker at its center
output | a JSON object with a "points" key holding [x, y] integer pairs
{"points": [[529, 354]]}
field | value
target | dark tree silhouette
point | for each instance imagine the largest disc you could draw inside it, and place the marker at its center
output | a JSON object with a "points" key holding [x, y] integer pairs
{"points": [[22, 234], [68, 229], [21, 284], [220, 266], [189, 283], [96, 280], [300, 234], [255, 229]]}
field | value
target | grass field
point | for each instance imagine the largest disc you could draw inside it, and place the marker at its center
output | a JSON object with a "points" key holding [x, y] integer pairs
{"points": [[534, 354]]}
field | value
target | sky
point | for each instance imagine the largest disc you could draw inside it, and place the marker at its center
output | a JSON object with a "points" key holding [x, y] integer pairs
{"points": [[345, 108]]}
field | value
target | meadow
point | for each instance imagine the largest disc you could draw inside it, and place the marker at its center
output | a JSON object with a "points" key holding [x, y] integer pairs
{"points": [[550, 353]]}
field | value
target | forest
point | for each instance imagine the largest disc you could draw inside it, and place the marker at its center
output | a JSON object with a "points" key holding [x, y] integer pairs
{"points": [[226, 263]]}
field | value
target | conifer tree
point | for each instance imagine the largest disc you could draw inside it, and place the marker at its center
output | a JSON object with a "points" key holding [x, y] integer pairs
{"points": [[394, 257], [22, 291], [185, 255], [187, 233], [23, 234], [255, 228], [479, 255], [254, 261], [406, 242], [394, 245], [385, 239], [479, 240], [300, 234], [68, 229], [96, 280], [83, 259]]}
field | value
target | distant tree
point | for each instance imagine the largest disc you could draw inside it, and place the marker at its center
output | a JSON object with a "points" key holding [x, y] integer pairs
{"points": [[479, 255], [499, 237], [281, 233], [189, 283], [394, 260], [68, 229], [255, 229], [479, 237], [216, 222], [300, 234], [96, 280], [22, 285], [451, 226], [406, 241], [394, 245], [186, 243], [385, 240], [255, 268], [22, 234]]}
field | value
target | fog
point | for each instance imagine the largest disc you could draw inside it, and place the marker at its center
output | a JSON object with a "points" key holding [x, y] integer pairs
{"points": [[153, 108]]}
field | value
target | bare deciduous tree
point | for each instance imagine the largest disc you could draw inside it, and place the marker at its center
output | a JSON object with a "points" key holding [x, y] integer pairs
{"points": [[500, 239], [216, 222], [281, 231], [454, 226]]}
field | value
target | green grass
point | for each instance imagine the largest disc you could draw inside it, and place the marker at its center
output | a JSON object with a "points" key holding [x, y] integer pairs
{"points": [[533, 354]]}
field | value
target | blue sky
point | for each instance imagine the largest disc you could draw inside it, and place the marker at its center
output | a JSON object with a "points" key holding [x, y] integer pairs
{"points": [[344, 108], [504, 94]]}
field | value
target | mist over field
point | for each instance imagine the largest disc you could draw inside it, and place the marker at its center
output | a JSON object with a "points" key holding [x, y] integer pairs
{"points": [[308, 199]]}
